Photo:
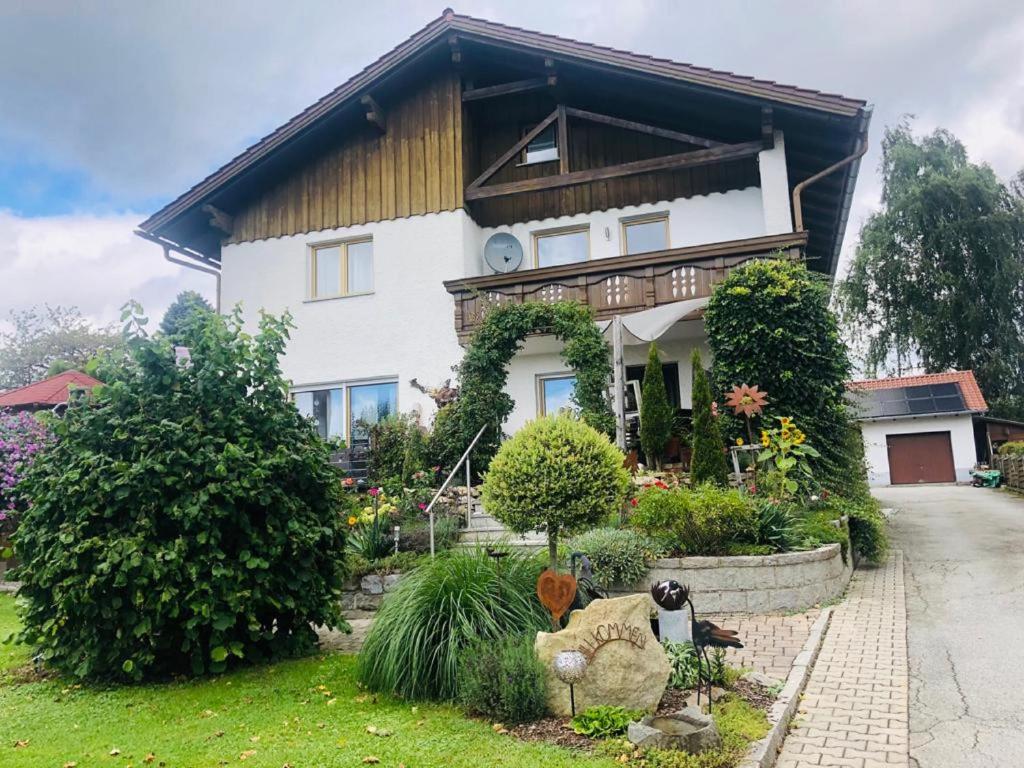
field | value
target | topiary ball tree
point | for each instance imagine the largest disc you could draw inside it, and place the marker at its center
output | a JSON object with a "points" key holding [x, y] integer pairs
{"points": [[655, 411], [186, 517], [769, 324], [707, 461], [556, 473]]}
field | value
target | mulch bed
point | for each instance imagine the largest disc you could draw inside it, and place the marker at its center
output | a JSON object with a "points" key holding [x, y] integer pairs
{"points": [[556, 730]]}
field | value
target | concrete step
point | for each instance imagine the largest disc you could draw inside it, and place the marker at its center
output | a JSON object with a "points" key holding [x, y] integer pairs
{"points": [[495, 534], [482, 520]]}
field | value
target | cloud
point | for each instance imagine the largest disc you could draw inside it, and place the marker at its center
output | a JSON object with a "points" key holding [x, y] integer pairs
{"points": [[92, 262]]}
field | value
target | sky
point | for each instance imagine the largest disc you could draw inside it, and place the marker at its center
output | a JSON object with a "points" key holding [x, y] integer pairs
{"points": [[110, 109]]}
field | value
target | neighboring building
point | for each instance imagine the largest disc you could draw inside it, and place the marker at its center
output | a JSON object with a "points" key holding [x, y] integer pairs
{"points": [[627, 182], [48, 393], [919, 429]]}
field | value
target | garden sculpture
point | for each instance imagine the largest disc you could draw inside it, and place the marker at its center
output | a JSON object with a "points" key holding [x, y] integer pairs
{"points": [[586, 590], [671, 595], [556, 592]]}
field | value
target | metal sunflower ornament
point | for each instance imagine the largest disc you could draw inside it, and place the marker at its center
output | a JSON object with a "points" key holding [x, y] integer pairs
{"points": [[746, 400]]}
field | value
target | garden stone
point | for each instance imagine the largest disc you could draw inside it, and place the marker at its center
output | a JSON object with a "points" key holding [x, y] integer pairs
{"points": [[372, 585], [759, 678], [627, 666], [689, 730]]}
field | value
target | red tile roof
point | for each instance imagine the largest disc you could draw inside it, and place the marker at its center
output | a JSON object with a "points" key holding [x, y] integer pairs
{"points": [[51, 391], [973, 398]]}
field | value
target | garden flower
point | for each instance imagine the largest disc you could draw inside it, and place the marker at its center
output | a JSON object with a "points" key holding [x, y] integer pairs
{"points": [[348, 482], [422, 505], [374, 491], [786, 434], [739, 441], [661, 484], [352, 520], [633, 501]]}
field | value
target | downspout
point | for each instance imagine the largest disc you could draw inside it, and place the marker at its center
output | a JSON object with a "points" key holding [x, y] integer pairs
{"points": [[798, 214], [192, 259]]}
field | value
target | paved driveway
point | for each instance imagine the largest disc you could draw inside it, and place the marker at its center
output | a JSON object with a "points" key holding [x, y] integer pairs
{"points": [[964, 559]]}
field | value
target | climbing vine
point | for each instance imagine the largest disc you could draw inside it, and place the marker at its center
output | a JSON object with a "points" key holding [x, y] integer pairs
{"points": [[483, 374]]}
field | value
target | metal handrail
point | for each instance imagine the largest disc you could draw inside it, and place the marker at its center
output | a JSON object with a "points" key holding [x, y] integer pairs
{"points": [[469, 497]]}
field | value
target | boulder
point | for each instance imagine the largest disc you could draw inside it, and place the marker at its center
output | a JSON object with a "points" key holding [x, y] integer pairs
{"points": [[689, 730], [627, 667]]}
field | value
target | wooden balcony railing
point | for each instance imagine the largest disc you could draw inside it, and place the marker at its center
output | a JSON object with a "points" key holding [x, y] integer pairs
{"points": [[618, 285]]}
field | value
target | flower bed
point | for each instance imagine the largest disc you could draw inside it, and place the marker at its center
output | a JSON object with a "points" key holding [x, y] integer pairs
{"points": [[788, 581]]}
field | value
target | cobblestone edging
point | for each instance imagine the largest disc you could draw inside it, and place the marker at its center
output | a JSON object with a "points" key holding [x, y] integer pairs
{"points": [[763, 753], [791, 581]]}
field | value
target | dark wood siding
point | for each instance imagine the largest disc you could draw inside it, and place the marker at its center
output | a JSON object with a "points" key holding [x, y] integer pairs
{"points": [[591, 145], [922, 457], [413, 168]]}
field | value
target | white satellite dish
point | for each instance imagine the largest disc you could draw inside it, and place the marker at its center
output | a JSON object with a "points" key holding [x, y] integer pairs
{"points": [[503, 252]]}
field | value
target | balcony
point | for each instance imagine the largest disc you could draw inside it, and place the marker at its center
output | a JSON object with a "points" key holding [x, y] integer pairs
{"points": [[618, 285]]}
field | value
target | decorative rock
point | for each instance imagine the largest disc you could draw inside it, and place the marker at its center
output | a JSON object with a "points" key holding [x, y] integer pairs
{"points": [[689, 730], [627, 666], [762, 679]]}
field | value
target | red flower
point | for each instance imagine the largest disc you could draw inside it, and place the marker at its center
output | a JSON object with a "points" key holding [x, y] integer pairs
{"points": [[661, 484], [824, 494], [422, 505], [373, 491], [633, 502]]}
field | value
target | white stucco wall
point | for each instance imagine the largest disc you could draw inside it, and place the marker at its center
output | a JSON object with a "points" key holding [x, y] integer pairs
{"points": [[711, 218], [775, 198], [403, 330], [961, 432]]}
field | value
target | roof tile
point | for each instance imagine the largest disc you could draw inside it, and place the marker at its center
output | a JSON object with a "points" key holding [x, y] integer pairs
{"points": [[51, 391]]}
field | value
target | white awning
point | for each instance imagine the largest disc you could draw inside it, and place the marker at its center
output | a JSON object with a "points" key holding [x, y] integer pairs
{"points": [[650, 324]]}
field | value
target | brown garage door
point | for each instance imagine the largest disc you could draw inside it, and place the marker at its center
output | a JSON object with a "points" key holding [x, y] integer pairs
{"points": [[923, 457]]}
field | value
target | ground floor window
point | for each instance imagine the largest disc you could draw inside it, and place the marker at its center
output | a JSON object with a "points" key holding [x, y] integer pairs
{"points": [[347, 410], [554, 393]]}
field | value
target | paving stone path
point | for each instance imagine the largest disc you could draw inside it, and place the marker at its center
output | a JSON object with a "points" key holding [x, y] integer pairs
{"points": [[854, 709], [770, 641]]}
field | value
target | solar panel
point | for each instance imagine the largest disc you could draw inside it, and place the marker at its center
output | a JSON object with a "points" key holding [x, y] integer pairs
{"points": [[912, 401]]}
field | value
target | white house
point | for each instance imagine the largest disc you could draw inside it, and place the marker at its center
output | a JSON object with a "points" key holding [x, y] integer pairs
{"points": [[919, 429], [628, 183]]}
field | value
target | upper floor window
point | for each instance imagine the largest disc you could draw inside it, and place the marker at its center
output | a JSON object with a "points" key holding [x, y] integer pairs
{"points": [[341, 269], [643, 234], [561, 246], [543, 148]]}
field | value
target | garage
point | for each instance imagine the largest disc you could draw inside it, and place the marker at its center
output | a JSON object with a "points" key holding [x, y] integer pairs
{"points": [[923, 457], [918, 429]]}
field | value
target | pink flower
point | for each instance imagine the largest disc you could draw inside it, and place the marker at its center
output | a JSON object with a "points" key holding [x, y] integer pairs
{"points": [[373, 491], [422, 505]]}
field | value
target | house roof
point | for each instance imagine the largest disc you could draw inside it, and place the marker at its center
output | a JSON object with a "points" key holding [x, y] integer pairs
{"points": [[973, 400], [51, 391], [468, 28]]}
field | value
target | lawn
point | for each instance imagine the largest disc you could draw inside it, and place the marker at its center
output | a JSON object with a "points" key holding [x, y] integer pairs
{"points": [[305, 713]]}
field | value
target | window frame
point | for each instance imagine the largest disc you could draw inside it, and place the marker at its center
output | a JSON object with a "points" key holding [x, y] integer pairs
{"points": [[524, 157], [540, 378], [645, 218], [343, 246], [346, 408], [537, 236]]}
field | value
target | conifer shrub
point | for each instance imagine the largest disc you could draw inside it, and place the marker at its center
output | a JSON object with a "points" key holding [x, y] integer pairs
{"points": [[655, 411], [707, 462]]}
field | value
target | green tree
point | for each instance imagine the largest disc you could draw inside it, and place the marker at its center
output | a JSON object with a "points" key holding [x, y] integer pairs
{"points": [[769, 324], [186, 518], [188, 308], [47, 336], [938, 277], [556, 473], [655, 411], [707, 461]]}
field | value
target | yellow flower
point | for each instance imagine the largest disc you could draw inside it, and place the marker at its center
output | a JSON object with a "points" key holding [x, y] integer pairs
{"points": [[764, 435], [765, 441], [785, 434], [739, 441], [352, 520], [786, 421]]}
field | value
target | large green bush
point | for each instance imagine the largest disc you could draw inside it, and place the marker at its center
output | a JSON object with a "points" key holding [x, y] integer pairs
{"points": [[503, 680], [707, 462], [442, 607], [706, 520], [556, 473], [185, 518], [619, 555], [769, 324], [655, 412]]}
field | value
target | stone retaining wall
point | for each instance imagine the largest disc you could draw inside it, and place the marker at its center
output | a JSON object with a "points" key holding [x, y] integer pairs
{"points": [[366, 594], [792, 581]]}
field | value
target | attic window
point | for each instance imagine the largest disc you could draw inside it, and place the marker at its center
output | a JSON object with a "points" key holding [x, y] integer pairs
{"points": [[543, 148]]}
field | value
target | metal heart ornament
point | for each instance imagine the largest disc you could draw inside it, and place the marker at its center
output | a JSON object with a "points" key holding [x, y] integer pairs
{"points": [[556, 592]]}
